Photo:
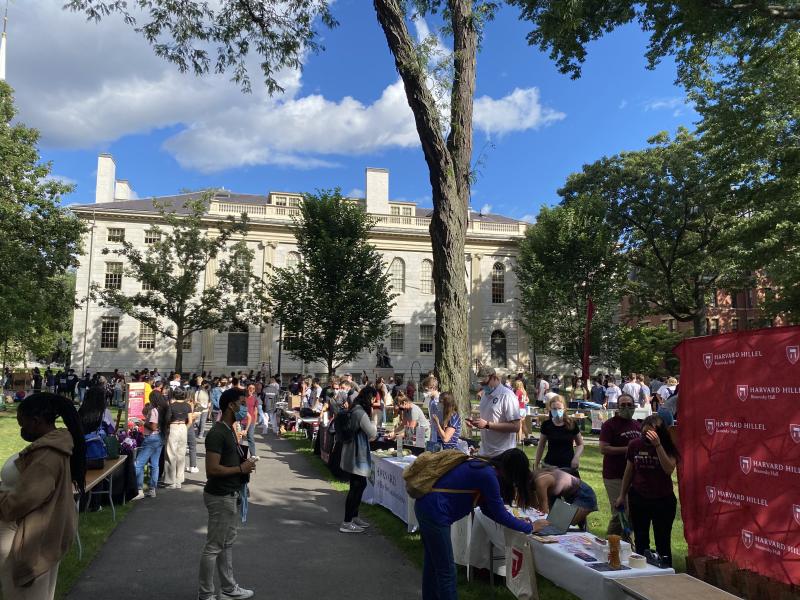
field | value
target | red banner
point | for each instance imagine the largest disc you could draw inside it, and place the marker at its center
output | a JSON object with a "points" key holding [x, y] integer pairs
{"points": [[739, 431]]}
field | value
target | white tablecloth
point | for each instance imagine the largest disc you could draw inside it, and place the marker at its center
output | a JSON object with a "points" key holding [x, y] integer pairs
{"points": [[553, 561], [601, 416], [386, 487]]}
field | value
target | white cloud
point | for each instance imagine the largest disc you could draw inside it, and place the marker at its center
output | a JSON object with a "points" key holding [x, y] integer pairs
{"points": [[623, 103], [486, 209], [61, 179], [676, 104], [85, 85], [356, 193], [528, 218]]}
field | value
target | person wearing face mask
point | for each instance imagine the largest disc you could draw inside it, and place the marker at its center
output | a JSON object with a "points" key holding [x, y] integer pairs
{"points": [[559, 433], [647, 487], [499, 417], [615, 435], [431, 394], [37, 507], [225, 468]]}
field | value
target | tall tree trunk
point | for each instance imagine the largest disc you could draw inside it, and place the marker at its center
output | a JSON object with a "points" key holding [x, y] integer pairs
{"points": [[698, 322], [179, 351], [449, 168]]}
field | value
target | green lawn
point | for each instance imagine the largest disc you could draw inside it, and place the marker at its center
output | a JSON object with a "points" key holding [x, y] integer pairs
{"points": [[410, 545], [94, 527]]}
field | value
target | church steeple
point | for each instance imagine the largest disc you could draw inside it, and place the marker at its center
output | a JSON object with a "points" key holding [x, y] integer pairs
{"points": [[3, 46]]}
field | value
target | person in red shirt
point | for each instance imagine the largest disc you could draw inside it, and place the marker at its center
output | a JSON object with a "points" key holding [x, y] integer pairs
{"points": [[615, 435], [249, 425], [647, 483]]}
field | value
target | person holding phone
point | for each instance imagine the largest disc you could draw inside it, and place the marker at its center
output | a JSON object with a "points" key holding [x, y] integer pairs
{"points": [[499, 417]]}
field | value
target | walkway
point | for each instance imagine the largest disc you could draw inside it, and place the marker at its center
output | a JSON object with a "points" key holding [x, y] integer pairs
{"points": [[289, 548]]}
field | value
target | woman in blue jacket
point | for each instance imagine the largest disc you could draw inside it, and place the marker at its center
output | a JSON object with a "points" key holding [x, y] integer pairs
{"points": [[493, 483]]}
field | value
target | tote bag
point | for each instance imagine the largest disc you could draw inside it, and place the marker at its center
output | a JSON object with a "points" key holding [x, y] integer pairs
{"points": [[520, 568]]}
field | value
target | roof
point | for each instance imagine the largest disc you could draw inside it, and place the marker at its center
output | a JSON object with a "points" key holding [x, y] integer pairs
{"points": [[178, 201]]}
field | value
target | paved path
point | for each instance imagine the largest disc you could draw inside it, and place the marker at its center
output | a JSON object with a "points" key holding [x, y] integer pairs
{"points": [[290, 547]]}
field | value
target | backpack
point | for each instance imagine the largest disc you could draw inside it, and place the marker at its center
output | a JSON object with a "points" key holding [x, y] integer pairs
{"points": [[345, 426], [96, 452], [424, 472]]}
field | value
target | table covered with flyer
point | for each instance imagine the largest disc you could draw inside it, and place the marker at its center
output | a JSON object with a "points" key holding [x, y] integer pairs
{"points": [[574, 561], [386, 486]]}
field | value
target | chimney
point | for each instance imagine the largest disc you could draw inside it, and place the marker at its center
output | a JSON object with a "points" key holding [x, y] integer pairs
{"points": [[106, 179], [123, 190], [377, 191]]}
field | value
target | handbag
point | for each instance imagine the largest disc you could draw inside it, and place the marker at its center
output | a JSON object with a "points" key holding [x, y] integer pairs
{"points": [[112, 447]]}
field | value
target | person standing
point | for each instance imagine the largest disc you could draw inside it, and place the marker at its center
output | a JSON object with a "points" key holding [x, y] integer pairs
{"points": [[226, 468], [216, 392], [612, 393], [647, 487], [201, 404], [522, 399], [249, 426], [615, 435], [179, 420], [449, 428], [632, 387], [36, 376], [412, 426], [150, 452], [430, 385], [542, 387], [499, 417], [559, 434], [357, 459], [271, 397], [38, 520]]}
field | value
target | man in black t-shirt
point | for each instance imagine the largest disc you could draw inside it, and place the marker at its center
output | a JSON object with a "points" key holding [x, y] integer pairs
{"points": [[225, 469]]}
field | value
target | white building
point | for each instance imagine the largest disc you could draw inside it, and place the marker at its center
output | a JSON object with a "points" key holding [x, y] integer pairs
{"points": [[104, 339]]}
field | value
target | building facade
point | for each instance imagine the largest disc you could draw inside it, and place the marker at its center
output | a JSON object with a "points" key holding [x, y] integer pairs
{"points": [[104, 339]]}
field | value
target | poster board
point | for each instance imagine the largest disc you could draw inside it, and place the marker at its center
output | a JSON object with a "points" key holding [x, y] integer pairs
{"points": [[138, 396], [739, 475]]}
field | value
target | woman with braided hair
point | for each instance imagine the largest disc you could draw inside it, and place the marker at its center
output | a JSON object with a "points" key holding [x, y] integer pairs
{"points": [[38, 519]]}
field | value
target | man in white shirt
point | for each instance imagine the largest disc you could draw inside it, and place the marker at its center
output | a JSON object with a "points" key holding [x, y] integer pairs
{"points": [[542, 388], [612, 394], [499, 420], [632, 388]]}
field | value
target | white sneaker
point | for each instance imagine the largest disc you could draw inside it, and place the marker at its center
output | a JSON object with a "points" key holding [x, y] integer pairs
{"points": [[151, 493], [188, 469], [350, 527], [193, 470], [236, 593], [360, 522], [138, 496]]}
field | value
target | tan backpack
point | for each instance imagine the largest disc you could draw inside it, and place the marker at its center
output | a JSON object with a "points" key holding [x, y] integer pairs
{"points": [[423, 473]]}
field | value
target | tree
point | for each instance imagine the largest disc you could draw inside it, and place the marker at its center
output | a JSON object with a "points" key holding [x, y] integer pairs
{"points": [[568, 257], [337, 300], [40, 240], [648, 350], [672, 221], [197, 276], [281, 32]]}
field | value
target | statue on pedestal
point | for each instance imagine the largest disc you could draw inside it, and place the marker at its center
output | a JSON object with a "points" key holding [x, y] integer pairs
{"points": [[382, 354]]}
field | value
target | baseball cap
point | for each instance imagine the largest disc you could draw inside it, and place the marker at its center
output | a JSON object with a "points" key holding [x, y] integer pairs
{"points": [[485, 373]]}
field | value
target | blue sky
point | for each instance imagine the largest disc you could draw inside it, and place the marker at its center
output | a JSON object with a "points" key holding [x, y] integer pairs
{"points": [[97, 88]]}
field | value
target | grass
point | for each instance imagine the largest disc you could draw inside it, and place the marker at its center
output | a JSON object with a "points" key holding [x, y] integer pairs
{"points": [[95, 527], [410, 544]]}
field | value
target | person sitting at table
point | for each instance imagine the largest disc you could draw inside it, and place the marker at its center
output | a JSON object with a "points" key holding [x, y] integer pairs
{"points": [[494, 483], [647, 487], [558, 434], [450, 432], [38, 520], [548, 484], [411, 419]]}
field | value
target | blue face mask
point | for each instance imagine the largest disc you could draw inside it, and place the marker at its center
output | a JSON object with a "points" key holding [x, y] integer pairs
{"points": [[241, 414], [487, 389], [557, 413]]}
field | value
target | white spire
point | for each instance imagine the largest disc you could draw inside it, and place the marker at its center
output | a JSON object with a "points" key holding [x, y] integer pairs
{"points": [[3, 46]]}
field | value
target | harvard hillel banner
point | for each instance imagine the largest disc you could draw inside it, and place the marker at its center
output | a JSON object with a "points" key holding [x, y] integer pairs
{"points": [[739, 431]]}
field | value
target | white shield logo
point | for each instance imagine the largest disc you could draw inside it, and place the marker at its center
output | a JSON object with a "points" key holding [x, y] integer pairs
{"points": [[741, 391], [708, 360], [794, 429], [711, 426], [745, 464], [747, 538], [796, 513], [711, 492], [793, 354]]}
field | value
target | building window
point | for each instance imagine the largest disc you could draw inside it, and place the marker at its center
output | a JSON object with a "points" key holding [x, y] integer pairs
{"points": [[113, 275], [395, 210], [116, 235], [290, 340], [109, 333], [712, 326], [397, 337], [714, 298], [397, 275], [499, 349], [187, 342], [238, 340], [426, 277], [294, 201], [426, 338], [406, 211], [668, 324], [280, 200], [147, 286], [498, 283], [292, 260], [735, 300], [152, 237], [147, 337], [734, 324], [243, 267]]}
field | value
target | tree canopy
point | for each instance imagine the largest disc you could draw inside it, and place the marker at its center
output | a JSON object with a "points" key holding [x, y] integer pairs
{"points": [[336, 301]]}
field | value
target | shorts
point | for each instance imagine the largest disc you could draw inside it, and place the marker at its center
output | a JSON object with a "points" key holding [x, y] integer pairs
{"points": [[584, 498], [523, 412]]}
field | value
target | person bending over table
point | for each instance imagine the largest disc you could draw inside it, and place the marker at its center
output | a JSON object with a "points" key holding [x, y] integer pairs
{"points": [[411, 417], [493, 483], [558, 433], [548, 484], [647, 483]]}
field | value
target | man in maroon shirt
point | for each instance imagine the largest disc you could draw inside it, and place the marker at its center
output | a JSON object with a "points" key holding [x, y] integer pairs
{"points": [[615, 434]]}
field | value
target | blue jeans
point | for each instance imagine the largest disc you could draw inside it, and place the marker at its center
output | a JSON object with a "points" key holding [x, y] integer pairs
{"points": [[150, 451], [251, 438], [439, 567]]}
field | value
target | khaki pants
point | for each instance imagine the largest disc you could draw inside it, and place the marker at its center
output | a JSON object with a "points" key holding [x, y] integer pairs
{"points": [[42, 588], [613, 488], [176, 454]]}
